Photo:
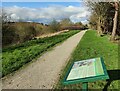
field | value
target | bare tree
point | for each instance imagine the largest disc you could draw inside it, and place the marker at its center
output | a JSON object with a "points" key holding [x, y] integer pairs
{"points": [[54, 26], [116, 5], [5, 17]]}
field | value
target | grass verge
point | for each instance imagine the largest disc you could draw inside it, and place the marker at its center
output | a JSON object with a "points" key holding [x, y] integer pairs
{"points": [[16, 56], [92, 46]]}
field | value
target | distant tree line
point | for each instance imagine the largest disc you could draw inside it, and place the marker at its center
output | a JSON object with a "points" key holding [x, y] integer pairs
{"points": [[66, 24]]}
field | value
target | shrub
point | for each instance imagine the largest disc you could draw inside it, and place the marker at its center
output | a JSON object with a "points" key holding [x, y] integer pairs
{"points": [[54, 26]]}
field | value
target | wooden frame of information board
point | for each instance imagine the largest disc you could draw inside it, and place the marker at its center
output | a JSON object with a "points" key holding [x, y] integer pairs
{"points": [[86, 79]]}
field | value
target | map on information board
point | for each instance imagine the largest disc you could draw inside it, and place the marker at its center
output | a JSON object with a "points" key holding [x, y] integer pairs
{"points": [[86, 68]]}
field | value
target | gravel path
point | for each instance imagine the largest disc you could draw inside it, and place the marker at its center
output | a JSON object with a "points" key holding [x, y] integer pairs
{"points": [[44, 73]]}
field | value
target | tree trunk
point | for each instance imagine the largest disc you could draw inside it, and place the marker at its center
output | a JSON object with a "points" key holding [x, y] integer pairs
{"points": [[114, 22], [99, 26]]}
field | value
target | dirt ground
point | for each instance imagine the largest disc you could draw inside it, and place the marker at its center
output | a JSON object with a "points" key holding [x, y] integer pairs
{"points": [[44, 73], [51, 34]]}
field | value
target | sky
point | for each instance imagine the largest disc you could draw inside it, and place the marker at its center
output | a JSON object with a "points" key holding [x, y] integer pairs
{"points": [[45, 12]]}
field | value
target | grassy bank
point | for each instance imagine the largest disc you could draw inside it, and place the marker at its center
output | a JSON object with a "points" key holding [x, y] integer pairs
{"points": [[16, 56], [92, 46]]}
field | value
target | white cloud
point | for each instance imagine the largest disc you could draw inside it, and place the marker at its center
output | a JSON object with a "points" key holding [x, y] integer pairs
{"points": [[84, 22], [48, 13], [15, 17]]}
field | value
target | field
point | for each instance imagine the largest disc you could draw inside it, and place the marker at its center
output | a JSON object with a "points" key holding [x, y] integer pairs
{"points": [[92, 46], [16, 56]]}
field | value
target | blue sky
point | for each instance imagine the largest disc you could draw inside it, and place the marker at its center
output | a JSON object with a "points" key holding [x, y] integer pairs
{"points": [[40, 4], [45, 11]]}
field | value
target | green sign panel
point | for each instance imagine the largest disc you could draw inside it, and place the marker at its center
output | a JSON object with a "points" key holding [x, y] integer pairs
{"points": [[86, 68], [86, 71]]}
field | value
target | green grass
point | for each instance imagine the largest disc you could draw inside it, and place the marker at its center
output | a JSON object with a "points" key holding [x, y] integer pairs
{"points": [[92, 46], [16, 56]]}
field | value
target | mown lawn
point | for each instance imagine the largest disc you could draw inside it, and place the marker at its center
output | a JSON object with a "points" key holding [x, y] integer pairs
{"points": [[92, 46], [16, 56]]}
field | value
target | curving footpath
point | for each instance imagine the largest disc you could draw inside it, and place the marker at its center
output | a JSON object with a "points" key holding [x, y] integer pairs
{"points": [[44, 73]]}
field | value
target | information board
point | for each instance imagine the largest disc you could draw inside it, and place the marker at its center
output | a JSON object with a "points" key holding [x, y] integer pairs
{"points": [[86, 68]]}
